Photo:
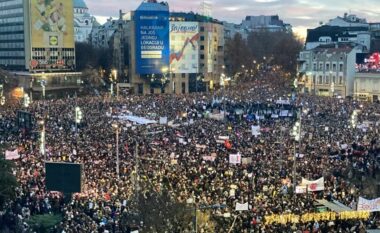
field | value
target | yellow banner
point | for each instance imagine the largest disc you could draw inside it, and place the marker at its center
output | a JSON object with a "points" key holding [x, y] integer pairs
{"points": [[52, 23], [310, 217]]}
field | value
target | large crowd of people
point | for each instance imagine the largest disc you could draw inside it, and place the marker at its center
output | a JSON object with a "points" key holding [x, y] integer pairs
{"points": [[171, 157]]}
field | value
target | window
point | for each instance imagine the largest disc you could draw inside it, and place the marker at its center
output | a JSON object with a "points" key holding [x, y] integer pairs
{"points": [[327, 79], [202, 29], [340, 80], [314, 66], [320, 79], [327, 66], [183, 88], [340, 67], [202, 47], [202, 38], [183, 75], [334, 79], [320, 66], [334, 67], [202, 56]]}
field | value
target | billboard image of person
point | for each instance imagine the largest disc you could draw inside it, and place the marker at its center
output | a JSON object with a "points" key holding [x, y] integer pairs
{"points": [[152, 40], [184, 43], [52, 23]]}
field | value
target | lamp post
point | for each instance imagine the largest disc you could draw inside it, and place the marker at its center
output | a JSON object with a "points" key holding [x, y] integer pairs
{"points": [[26, 100], [296, 133], [42, 138], [43, 84], [78, 117], [332, 88], [116, 127], [2, 97]]}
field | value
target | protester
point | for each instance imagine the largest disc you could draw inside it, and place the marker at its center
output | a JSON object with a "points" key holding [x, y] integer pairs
{"points": [[172, 156]]}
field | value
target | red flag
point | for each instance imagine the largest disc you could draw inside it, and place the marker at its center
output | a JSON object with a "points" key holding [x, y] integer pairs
{"points": [[227, 144]]}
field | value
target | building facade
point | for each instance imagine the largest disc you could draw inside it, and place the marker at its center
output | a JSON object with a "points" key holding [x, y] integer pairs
{"points": [[37, 38], [187, 52], [329, 70], [83, 21]]}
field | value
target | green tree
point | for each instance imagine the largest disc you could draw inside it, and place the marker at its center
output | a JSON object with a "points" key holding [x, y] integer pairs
{"points": [[44, 223]]}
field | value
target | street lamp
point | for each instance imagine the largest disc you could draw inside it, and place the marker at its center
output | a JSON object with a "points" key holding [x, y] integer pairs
{"points": [[42, 138], [26, 100], [117, 129], [43, 84], [296, 133], [332, 88], [78, 117], [354, 119]]}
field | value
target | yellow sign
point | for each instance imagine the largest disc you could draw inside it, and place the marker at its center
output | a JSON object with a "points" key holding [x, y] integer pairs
{"points": [[310, 217], [52, 23], [53, 40]]}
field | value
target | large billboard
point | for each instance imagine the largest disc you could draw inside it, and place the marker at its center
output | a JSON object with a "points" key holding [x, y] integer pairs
{"points": [[152, 41], [52, 23], [210, 48], [184, 47]]}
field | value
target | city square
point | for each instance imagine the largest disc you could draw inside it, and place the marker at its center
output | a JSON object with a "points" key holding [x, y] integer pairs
{"points": [[167, 121]]}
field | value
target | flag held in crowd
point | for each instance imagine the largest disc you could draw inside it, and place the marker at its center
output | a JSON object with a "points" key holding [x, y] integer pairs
{"points": [[311, 185], [11, 155], [241, 207]]}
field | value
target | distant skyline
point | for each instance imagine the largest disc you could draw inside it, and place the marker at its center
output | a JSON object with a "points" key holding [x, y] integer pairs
{"points": [[301, 14]]}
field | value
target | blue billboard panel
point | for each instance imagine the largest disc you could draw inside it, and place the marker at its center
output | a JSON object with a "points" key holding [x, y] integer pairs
{"points": [[152, 41]]}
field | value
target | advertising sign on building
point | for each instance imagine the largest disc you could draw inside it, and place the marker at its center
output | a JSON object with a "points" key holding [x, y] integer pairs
{"points": [[52, 23], [152, 41], [52, 34], [184, 43]]}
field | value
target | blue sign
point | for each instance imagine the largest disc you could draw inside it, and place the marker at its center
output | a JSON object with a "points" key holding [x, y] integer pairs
{"points": [[152, 41]]}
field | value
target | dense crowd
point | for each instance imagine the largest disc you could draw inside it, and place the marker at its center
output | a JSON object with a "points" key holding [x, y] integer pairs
{"points": [[171, 157]]}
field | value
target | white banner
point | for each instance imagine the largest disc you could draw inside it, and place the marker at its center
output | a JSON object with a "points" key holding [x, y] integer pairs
{"points": [[11, 155], [209, 158], [255, 130], [369, 205], [163, 121], [235, 158], [241, 207], [311, 185]]}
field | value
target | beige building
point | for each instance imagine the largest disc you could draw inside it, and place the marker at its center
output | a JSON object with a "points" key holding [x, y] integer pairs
{"points": [[329, 70], [367, 86]]}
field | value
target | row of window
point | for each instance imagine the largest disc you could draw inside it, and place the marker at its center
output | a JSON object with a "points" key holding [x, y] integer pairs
{"points": [[20, 61], [326, 80], [12, 20], [12, 45], [13, 28], [327, 67], [12, 53], [12, 37], [10, 3], [11, 11]]}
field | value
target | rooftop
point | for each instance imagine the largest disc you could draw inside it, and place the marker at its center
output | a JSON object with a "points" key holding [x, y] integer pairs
{"points": [[80, 4]]}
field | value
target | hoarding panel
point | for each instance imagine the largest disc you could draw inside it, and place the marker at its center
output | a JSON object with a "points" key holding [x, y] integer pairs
{"points": [[152, 41], [184, 47], [52, 23]]}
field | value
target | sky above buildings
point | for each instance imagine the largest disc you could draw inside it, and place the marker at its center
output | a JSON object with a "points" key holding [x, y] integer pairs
{"points": [[301, 14]]}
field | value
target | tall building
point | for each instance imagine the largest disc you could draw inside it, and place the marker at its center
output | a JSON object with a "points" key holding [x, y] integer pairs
{"points": [[83, 21], [36, 38], [156, 51]]}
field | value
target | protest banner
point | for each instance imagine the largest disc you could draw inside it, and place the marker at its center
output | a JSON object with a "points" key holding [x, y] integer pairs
{"points": [[369, 205]]}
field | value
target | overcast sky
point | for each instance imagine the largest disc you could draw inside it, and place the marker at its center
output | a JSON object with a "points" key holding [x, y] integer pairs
{"points": [[301, 14]]}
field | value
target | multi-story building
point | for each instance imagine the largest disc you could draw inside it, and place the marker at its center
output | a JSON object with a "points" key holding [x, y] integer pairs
{"points": [[271, 23], [37, 37], [348, 28], [329, 70], [160, 52], [83, 21]]}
